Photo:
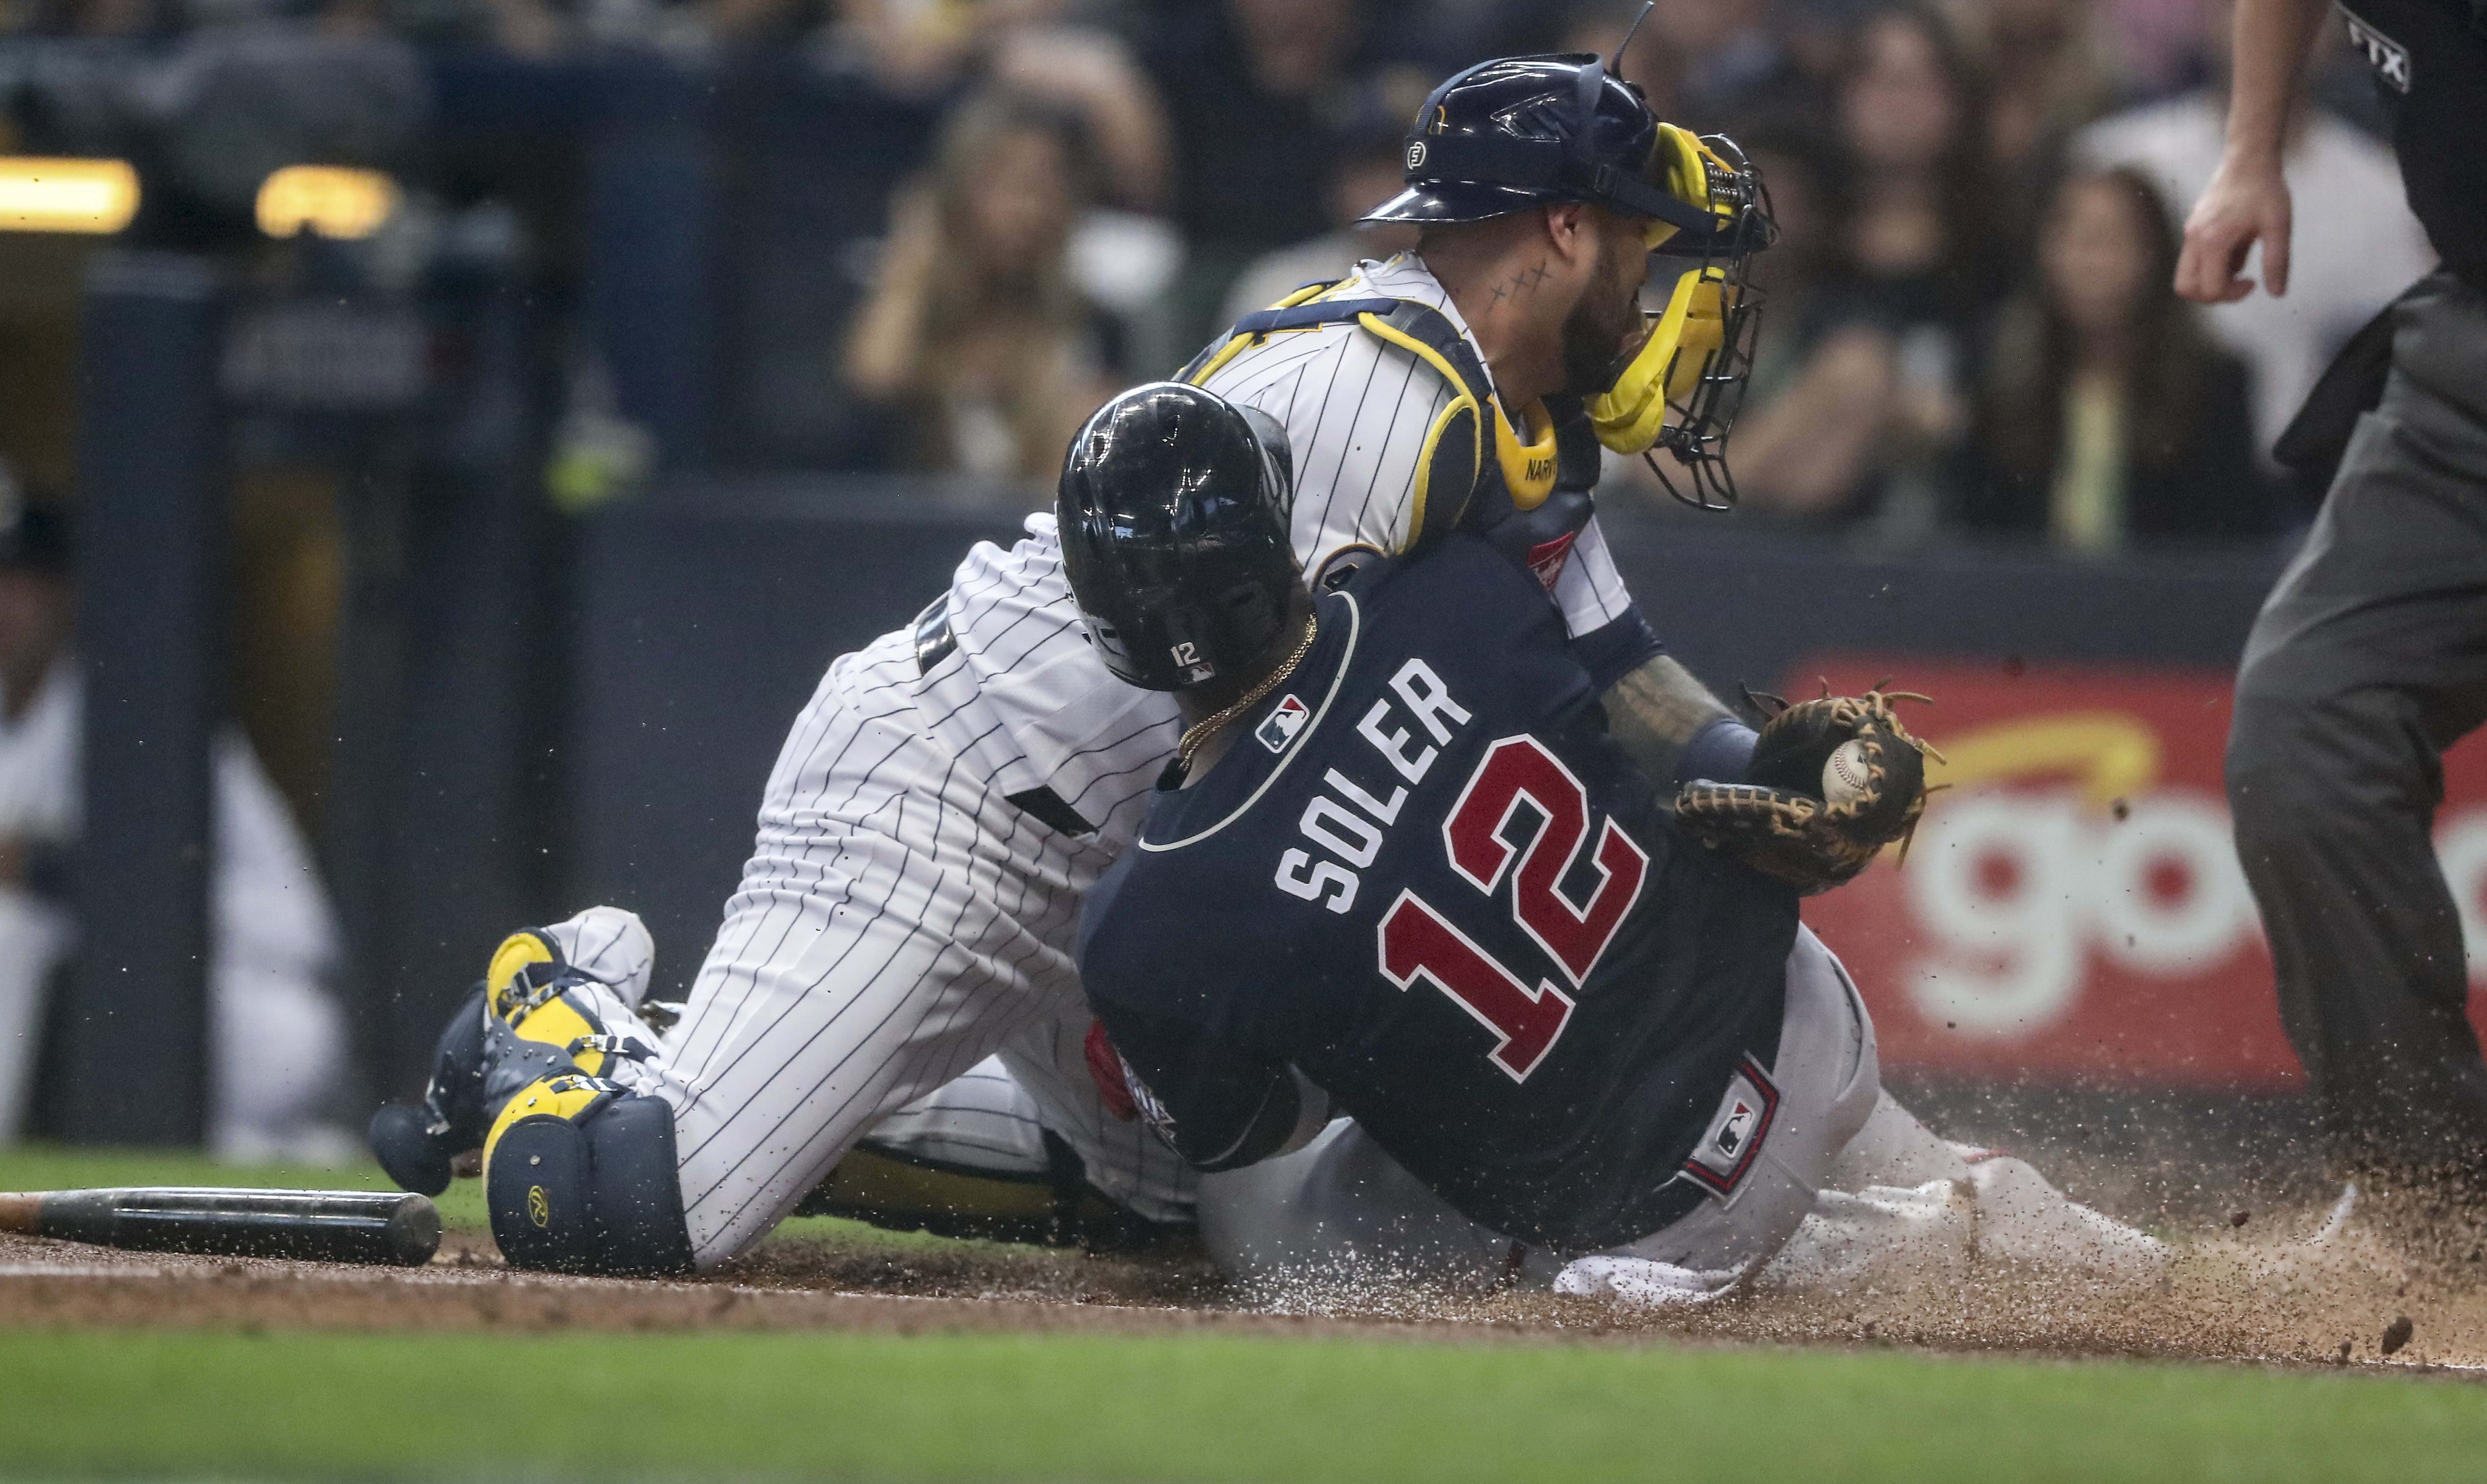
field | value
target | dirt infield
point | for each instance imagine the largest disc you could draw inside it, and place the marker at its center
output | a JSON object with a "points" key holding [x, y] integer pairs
{"points": [[2271, 1294]]}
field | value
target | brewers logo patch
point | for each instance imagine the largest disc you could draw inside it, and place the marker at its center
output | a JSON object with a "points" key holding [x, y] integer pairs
{"points": [[1726, 1148], [1281, 726]]}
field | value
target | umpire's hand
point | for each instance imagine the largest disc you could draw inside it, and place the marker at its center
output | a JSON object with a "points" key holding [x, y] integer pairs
{"points": [[2246, 201]]}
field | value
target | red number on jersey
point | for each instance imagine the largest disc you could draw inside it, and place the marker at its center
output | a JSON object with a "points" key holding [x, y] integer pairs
{"points": [[1416, 942], [1420, 943], [1518, 767]]}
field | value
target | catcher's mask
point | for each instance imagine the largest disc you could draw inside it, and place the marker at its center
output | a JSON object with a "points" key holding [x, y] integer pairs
{"points": [[1175, 506], [1516, 133], [1680, 389]]}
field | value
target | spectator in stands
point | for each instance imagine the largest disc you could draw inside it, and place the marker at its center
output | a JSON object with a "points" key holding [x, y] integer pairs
{"points": [[1249, 87], [973, 339], [2355, 243], [2106, 414], [2049, 71], [1031, 49], [1705, 64], [1823, 407], [279, 1042], [1916, 236], [1725, 63], [1910, 108], [1365, 170]]}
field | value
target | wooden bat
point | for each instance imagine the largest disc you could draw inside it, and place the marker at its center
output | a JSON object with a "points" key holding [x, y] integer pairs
{"points": [[338, 1226]]}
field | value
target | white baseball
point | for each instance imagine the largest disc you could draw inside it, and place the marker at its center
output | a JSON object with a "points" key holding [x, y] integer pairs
{"points": [[1843, 777]]}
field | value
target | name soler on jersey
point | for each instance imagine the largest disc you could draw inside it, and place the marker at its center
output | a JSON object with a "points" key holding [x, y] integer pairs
{"points": [[1346, 833]]}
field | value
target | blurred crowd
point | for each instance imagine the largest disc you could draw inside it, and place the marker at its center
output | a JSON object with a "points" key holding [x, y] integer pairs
{"points": [[1970, 325], [1969, 322]]}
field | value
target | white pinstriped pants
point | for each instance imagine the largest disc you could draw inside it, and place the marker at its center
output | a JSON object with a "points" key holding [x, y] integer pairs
{"points": [[898, 923]]}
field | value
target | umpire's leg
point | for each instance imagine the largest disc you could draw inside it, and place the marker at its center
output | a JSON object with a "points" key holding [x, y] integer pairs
{"points": [[2368, 660]]}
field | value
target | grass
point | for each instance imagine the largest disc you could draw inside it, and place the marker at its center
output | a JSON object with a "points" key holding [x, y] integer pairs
{"points": [[990, 1408], [278, 1404]]}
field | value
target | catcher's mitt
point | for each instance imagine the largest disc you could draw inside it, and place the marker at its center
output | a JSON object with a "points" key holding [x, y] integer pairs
{"points": [[1778, 822]]}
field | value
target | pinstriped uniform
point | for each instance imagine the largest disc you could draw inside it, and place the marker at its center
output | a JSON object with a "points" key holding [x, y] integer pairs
{"points": [[901, 919], [1357, 409]]}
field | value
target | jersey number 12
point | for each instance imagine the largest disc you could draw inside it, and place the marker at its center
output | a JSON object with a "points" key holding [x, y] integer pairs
{"points": [[1417, 941]]}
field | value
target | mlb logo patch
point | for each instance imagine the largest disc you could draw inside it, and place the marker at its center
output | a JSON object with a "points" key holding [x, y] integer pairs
{"points": [[1725, 1150], [1281, 726], [1546, 558]]}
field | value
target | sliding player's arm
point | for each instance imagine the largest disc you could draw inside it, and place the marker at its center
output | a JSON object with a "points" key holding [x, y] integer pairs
{"points": [[1673, 729], [1670, 725], [1222, 1106]]}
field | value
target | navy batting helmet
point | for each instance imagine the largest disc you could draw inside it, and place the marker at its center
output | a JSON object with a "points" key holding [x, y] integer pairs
{"points": [[1521, 131], [1175, 506]]}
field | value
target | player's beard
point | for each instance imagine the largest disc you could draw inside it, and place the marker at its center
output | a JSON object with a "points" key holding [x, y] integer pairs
{"points": [[1598, 327]]}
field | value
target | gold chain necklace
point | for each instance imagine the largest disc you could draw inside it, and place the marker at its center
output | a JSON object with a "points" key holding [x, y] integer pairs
{"points": [[1208, 728]]}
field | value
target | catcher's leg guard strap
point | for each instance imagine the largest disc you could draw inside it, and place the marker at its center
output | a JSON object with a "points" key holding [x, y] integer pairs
{"points": [[595, 1192]]}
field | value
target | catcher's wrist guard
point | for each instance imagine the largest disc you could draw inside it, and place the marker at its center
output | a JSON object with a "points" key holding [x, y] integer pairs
{"points": [[1722, 752], [1778, 823]]}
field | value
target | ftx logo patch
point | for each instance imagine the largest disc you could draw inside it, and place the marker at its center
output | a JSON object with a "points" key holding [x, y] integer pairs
{"points": [[1281, 726], [1725, 1150], [2389, 59]]}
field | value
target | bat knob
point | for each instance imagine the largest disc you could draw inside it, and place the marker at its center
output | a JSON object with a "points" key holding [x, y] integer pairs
{"points": [[403, 1141]]}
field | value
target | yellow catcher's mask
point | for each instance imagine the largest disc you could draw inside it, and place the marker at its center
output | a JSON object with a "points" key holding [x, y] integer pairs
{"points": [[1687, 336], [1687, 169], [1684, 340]]}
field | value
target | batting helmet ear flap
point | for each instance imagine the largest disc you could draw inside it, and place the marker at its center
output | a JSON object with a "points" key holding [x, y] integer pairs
{"points": [[1271, 435]]}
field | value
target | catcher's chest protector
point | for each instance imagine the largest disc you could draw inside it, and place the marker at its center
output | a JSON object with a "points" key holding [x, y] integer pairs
{"points": [[1524, 487]]}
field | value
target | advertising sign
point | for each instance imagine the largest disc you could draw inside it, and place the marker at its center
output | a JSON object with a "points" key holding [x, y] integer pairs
{"points": [[2072, 908]]}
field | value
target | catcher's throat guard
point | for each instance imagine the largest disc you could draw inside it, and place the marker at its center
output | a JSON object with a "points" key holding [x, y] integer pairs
{"points": [[1679, 391]]}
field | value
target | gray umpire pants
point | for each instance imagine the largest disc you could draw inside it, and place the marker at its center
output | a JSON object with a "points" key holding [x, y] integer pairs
{"points": [[2368, 660]]}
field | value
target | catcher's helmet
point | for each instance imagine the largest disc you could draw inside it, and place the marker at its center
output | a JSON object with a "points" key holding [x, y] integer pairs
{"points": [[1521, 131], [1175, 506]]}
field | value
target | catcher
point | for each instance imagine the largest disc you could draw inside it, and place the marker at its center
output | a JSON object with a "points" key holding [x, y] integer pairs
{"points": [[1404, 869]]}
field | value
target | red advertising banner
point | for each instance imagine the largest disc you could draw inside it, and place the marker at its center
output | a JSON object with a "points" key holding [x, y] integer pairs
{"points": [[2072, 908]]}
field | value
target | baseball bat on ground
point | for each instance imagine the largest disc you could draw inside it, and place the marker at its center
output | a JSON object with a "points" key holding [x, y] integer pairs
{"points": [[338, 1226]]}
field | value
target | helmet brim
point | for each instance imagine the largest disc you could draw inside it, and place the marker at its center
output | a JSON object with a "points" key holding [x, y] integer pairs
{"points": [[1458, 201]]}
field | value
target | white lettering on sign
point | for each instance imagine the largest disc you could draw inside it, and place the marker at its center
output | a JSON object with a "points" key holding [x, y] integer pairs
{"points": [[2019, 887]]}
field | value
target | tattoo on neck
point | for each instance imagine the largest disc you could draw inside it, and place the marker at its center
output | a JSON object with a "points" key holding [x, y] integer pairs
{"points": [[1525, 281]]}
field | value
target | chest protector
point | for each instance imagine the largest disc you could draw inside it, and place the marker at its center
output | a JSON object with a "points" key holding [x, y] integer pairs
{"points": [[1524, 487]]}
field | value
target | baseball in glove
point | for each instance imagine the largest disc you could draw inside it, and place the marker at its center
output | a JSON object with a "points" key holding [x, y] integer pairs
{"points": [[1780, 823]]}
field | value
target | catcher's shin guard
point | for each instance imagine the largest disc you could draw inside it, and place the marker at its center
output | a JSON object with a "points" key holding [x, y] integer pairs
{"points": [[579, 1176], [535, 1016]]}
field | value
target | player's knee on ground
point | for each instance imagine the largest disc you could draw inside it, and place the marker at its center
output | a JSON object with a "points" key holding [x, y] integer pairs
{"points": [[579, 1175]]}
